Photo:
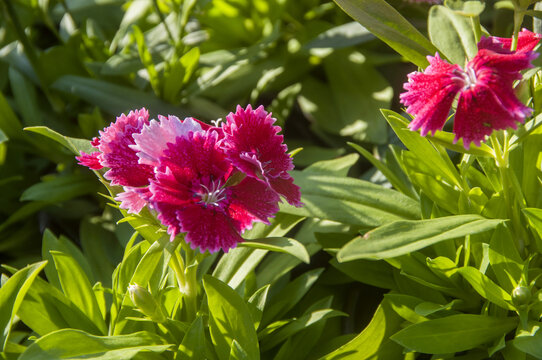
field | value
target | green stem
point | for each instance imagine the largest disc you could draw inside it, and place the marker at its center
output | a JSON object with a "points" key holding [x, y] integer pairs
{"points": [[518, 19], [185, 272], [511, 189], [475, 22]]}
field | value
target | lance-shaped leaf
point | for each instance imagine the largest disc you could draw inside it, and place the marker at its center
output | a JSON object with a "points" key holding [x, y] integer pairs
{"points": [[279, 244], [11, 296], [76, 344], [403, 237], [230, 320], [453, 333], [382, 20]]}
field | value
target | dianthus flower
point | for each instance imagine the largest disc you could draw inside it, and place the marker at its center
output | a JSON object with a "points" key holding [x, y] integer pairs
{"points": [[252, 144], [190, 190], [114, 152], [485, 86], [527, 41]]}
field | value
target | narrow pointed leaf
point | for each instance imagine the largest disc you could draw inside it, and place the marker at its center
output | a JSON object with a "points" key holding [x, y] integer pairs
{"points": [[403, 237], [279, 244]]}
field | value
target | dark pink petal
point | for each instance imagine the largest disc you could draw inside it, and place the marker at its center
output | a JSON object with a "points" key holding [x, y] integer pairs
{"points": [[430, 94], [252, 200], [479, 112], [208, 228], [90, 160], [288, 189], [252, 142], [527, 41], [116, 154]]}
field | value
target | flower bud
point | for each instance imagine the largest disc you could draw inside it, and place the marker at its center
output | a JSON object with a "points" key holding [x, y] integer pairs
{"points": [[146, 303], [521, 295]]}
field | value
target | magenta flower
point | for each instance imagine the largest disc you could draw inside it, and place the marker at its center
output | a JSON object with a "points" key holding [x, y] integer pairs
{"points": [[114, 152], [527, 41], [486, 95], [253, 146], [190, 191]]}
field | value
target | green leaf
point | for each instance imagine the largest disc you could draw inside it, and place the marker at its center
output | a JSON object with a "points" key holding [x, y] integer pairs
{"points": [[279, 244], [341, 36], [337, 167], [12, 294], [76, 344], [46, 309], [530, 342], [504, 258], [373, 342], [356, 107], [114, 99], [9, 123], [403, 237], [452, 34], [375, 273], [390, 175], [486, 287], [76, 146], [290, 295], [453, 333], [51, 242], [466, 8], [298, 325], [77, 288], [193, 341], [535, 219], [382, 20], [146, 59], [425, 152], [350, 201], [229, 319], [237, 352], [60, 188]]}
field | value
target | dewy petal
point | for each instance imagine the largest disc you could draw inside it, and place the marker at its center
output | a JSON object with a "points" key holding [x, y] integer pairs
{"points": [[116, 154], [90, 160], [253, 145], [288, 189], [153, 139], [527, 41], [430, 94], [490, 104], [479, 112], [252, 200], [208, 228]]}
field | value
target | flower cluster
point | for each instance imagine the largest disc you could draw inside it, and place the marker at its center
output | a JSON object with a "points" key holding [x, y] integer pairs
{"points": [[486, 99], [209, 182]]}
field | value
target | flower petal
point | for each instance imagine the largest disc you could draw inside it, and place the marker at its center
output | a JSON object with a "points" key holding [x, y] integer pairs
{"points": [[208, 228], [90, 160], [153, 139], [430, 94]]}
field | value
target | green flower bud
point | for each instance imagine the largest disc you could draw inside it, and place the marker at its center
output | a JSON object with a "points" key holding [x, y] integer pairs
{"points": [[521, 295], [146, 303]]}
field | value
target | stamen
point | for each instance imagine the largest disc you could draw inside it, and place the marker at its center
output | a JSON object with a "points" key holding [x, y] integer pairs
{"points": [[213, 195]]}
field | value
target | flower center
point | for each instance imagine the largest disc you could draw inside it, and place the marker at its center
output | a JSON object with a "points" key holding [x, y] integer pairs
{"points": [[470, 78], [213, 194]]}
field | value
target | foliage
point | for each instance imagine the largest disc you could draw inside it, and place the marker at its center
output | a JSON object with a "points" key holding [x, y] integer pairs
{"points": [[452, 235]]}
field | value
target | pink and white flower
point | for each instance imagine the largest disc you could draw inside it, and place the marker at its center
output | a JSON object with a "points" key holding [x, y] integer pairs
{"points": [[114, 152], [189, 190]]}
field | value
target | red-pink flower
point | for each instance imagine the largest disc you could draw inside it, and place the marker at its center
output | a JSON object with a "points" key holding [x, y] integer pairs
{"points": [[190, 191], [486, 96], [527, 41], [253, 145], [114, 152]]}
